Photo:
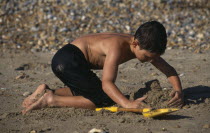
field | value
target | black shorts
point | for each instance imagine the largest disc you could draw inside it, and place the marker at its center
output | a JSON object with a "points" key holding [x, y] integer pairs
{"points": [[71, 67]]}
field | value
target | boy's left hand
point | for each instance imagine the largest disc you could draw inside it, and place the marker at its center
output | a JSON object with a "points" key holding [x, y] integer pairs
{"points": [[177, 100]]}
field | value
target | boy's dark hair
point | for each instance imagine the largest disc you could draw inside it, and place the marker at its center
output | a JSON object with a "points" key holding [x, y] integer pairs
{"points": [[152, 37]]}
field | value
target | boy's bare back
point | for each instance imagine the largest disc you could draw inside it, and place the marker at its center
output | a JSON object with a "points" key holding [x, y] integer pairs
{"points": [[96, 46]]}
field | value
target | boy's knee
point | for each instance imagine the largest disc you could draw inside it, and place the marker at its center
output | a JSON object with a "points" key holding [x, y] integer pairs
{"points": [[60, 68]]}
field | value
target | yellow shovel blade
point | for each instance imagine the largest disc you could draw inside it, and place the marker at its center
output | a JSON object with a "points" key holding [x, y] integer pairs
{"points": [[159, 112], [147, 112]]}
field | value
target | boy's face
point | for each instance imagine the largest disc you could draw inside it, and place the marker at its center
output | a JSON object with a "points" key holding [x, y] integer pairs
{"points": [[145, 56]]}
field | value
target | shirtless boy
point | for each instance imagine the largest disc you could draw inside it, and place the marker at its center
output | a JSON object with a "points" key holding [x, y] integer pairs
{"points": [[72, 64]]}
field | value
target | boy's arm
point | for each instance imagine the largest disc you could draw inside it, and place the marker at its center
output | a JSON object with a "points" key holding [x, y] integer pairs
{"points": [[173, 78], [110, 70]]}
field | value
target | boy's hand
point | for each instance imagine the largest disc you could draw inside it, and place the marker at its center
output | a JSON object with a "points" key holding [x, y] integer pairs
{"points": [[138, 103], [177, 100]]}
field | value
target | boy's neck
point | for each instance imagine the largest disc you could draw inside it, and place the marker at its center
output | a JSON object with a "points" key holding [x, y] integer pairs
{"points": [[131, 44]]}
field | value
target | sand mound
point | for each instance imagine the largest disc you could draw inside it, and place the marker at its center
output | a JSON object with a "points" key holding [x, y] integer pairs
{"points": [[157, 96]]}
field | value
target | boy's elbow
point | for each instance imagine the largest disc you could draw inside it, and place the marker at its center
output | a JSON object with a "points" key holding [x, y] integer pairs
{"points": [[171, 72]]}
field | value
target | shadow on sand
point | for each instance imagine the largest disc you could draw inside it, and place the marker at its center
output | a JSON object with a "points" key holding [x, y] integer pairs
{"points": [[172, 117], [196, 94]]}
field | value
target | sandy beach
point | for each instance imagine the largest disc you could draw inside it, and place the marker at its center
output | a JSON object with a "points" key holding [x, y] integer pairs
{"points": [[32, 31]]}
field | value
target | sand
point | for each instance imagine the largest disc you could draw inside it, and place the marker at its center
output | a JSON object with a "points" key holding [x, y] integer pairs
{"points": [[21, 72]]}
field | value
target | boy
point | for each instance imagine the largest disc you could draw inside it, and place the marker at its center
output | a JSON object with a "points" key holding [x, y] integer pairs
{"points": [[72, 64]]}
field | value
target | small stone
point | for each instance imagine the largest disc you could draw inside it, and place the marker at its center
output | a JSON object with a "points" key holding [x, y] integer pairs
{"points": [[169, 48], [178, 126], [182, 74], [186, 107], [180, 39], [206, 126], [4, 88], [95, 130], [34, 28], [27, 93], [19, 77], [207, 101], [63, 29], [191, 32], [127, 27], [200, 36], [5, 37], [33, 131], [164, 129], [121, 120], [23, 67], [45, 129], [22, 76], [164, 89], [154, 74]]}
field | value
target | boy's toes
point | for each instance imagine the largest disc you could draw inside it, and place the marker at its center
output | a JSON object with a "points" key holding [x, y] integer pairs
{"points": [[23, 112], [25, 104]]}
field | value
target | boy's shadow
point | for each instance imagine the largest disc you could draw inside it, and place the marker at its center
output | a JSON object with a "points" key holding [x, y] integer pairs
{"points": [[196, 94]]}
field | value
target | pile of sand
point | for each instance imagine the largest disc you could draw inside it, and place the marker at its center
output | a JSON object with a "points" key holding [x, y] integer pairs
{"points": [[157, 97]]}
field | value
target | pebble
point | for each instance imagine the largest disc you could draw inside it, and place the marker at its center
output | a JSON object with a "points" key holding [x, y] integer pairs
{"points": [[33, 131], [182, 74], [121, 120], [31, 24], [207, 100], [45, 129], [21, 76], [4, 88], [164, 129], [186, 107], [165, 89], [27, 93], [206, 126], [22, 67], [95, 130], [178, 126], [200, 36]]}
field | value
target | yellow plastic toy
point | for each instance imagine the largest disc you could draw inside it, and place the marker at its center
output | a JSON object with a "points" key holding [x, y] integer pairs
{"points": [[147, 112]]}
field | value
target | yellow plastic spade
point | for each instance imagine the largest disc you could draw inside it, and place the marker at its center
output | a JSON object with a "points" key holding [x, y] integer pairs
{"points": [[147, 112]]}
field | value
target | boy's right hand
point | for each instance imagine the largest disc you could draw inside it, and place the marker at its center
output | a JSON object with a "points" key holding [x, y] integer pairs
{"points": [[138, 103]]}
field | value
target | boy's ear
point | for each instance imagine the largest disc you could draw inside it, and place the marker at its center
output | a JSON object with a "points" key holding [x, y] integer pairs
{"points": [[135, 43]]}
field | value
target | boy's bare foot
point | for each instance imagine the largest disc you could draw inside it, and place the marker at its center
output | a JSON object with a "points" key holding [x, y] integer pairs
{"points": [[35, 96], [42, 102]]}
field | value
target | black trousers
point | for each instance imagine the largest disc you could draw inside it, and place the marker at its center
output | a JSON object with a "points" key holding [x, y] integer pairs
{"points": [[71, 67]]}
